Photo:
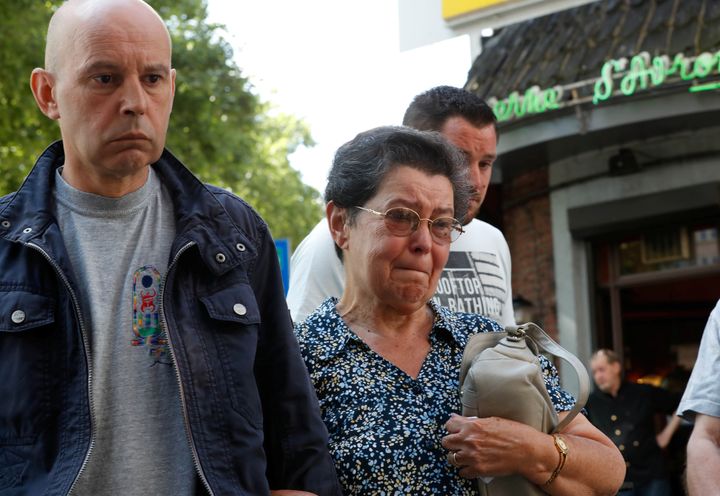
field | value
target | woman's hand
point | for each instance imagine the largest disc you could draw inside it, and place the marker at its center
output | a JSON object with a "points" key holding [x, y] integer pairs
{"points": [[496, 447], [490, 446]]}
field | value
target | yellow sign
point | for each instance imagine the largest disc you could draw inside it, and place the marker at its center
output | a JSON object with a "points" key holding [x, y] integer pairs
{"points": [[454, 8]]}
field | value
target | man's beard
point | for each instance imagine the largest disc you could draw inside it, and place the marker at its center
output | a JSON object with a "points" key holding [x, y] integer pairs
{"points": [[473, 207]]}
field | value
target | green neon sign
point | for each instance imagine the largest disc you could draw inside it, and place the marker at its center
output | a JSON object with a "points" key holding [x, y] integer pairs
{"points": [[535, 101], [642, 72], [618, 76], [704, 87]]}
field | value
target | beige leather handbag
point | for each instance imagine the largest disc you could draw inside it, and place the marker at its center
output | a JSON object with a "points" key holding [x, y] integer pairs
{"points": [[501, 376]]}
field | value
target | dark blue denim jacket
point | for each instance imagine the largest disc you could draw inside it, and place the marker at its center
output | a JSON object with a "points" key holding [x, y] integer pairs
{"points": [[249, 407]]}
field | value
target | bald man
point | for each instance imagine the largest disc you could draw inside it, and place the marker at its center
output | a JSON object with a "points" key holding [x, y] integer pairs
{"points": [[145, 345], [625, 411]]}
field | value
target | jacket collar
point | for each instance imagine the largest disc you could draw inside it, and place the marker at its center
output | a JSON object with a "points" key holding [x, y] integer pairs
{"points": [[200, 217], [28, 211]]}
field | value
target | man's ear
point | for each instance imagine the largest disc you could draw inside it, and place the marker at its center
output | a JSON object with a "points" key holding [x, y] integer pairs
{"points": [[42, 84], [337, 221]]}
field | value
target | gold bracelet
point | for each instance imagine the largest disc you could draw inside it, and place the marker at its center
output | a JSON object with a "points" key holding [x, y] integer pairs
{"points": [[563, 450]]}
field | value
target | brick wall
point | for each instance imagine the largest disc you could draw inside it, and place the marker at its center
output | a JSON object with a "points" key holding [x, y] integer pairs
{"points": [[527, 228]]}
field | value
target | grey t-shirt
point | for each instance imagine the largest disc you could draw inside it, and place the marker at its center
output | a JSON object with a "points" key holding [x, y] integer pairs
{"points": [[119, 250]]}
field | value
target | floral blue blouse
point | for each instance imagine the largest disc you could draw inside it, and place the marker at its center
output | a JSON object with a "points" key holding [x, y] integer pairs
{"points": [[385, 427]]}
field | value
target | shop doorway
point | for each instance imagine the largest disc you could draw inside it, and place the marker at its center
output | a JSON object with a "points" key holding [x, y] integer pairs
{"points": [[654, 291]]}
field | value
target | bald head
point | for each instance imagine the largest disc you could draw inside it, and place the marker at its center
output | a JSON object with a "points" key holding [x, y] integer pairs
{"points": [[109, 83], [71, 22]]}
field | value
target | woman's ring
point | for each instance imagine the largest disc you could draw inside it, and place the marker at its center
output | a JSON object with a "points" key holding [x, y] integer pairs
{"points": [[453, 455]]}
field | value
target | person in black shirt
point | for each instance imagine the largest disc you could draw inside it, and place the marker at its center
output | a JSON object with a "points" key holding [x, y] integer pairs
{"points": [[625, 412]]}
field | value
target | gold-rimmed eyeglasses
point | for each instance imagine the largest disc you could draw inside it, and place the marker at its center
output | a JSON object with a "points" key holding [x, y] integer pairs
{"points": [[402, 221]]}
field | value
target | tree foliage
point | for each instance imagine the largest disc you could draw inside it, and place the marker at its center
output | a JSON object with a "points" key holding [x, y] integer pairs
{"points": [[219, 127]]}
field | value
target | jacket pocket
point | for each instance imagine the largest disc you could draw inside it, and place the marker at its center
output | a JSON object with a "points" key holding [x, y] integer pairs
{"points": [[23, 310], [235, 325], [26, 346]]}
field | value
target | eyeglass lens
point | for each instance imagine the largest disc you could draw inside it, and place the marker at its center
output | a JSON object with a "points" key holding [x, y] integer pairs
{"points": [[403, 221]]}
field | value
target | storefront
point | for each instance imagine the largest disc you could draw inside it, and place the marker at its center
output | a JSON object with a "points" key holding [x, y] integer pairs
{"points": [[608, 178]]}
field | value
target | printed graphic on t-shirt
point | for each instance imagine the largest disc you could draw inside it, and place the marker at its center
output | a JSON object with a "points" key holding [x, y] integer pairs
{"points": [[146, 313], [472, 282]]}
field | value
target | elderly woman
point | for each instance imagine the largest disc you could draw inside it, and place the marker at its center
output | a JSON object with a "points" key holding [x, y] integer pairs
{"points": [[385, 360]]}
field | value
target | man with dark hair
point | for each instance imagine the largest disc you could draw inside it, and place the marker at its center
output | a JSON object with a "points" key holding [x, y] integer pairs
{"points": [[477, 277], [625, 412], [145, 345]]}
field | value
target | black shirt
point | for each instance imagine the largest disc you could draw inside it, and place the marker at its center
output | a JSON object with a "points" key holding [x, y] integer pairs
{"points": [[629, 421]]}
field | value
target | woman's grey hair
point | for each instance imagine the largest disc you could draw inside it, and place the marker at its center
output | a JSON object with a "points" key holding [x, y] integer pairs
{"points": [[361, 165]]}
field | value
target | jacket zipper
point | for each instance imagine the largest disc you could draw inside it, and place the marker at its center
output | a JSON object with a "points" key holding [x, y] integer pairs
{"points": [[88, 361], [164, 325]]}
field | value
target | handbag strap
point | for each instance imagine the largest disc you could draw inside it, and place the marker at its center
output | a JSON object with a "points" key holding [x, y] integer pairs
{"points": [[545, 342]]}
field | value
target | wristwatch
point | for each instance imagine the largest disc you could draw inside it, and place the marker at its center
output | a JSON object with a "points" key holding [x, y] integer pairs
{"points": [[563, 450]]}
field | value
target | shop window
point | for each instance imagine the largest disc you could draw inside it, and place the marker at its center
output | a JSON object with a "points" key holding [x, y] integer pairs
{"points": [[668, 248], [654, 290], [706, 246]]}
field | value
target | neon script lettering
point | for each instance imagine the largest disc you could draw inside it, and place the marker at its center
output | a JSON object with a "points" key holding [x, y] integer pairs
{"points": [[642, 72], [535, 101], [618, 76]]}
